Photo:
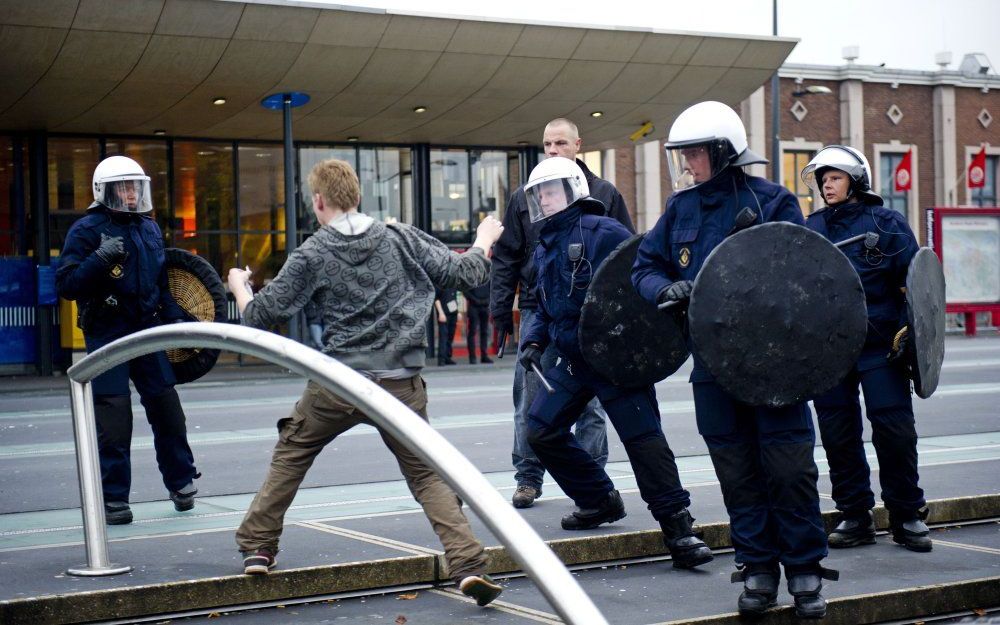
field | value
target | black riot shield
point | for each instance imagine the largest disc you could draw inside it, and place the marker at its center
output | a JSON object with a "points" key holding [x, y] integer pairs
{"points": [[925, 308], [197, 288], [777, 314], [622, 336]]}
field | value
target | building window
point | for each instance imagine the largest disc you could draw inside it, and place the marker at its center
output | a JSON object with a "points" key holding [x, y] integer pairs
{"points": [[204, 220], [793, 161], [386, 184], [15, 225], [987, 194], [450, 206], [593, 162], [71, 174], [489, 184], [891, 198]]}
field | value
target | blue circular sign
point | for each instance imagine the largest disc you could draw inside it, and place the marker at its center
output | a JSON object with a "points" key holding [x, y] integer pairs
{"points": [[276, 101]]}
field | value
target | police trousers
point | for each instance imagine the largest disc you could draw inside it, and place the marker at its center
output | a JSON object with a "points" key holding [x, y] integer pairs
{"points": [[763, 458], [890, 410], [154, 380], [318, 418], [636, 417]]}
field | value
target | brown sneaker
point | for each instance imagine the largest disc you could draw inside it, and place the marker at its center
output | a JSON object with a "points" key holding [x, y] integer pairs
{"points": [[258, 561], [525, 496], [482, 588]]}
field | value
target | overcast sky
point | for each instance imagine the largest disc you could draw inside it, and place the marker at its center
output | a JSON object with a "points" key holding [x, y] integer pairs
{"points": [[903, 34]]}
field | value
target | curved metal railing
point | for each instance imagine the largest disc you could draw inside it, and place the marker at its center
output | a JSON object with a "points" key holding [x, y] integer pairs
{"points": [[527, 548]]}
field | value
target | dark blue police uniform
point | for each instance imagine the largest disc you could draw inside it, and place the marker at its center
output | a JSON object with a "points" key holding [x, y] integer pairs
{"points": [[885, 384], [763, 457], [560, 289], [115, 300]]}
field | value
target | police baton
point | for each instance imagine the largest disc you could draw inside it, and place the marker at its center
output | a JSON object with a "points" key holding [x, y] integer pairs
{"points": [[870, 239], [503, 344], [541, 378]]}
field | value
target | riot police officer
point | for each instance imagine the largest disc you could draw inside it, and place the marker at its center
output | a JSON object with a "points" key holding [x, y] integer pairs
{"points": [[574, 239], [112, 264], [842, 175], [763, 456]]}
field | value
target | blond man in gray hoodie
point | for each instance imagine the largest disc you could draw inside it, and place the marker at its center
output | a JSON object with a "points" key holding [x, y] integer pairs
{"points": [[373, 284]]}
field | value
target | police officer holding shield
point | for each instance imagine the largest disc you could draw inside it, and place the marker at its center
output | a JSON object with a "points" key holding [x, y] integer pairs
{"points": [[842, 175], [112, 264], [763, 456], [575, 238]]}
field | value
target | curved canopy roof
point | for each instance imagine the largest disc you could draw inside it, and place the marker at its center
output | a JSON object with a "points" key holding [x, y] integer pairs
{"points": [[134, 66]]}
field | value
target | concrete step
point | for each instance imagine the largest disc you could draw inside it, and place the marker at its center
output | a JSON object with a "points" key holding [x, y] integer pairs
{"points": [[206, 592]]}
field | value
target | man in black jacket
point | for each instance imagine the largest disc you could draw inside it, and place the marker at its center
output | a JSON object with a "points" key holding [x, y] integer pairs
{"points": [[514, 272], [477, 322]]}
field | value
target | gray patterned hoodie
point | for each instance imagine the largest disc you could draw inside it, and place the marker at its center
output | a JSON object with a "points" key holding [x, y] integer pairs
{"points": [[375, 291]]}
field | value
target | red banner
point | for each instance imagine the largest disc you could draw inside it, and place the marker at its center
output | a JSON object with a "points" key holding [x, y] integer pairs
{"points": [[904, 173], [977, 170]]}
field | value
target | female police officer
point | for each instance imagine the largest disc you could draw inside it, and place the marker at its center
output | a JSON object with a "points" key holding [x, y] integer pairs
{"points": [[112, 264], [574, 240], [843, 177], [763, 457]]}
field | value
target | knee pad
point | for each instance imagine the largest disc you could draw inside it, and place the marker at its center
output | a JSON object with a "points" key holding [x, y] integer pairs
{"points": [[893, 423], [792, 474], [165, 414], [113, 415]]}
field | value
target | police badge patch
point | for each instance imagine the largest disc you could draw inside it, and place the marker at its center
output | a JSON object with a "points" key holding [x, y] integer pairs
{"points": [[116, 271], [685, 257]]}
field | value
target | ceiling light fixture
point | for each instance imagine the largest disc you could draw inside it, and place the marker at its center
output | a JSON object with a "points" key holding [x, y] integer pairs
{"points": [[219, 101], [352, 139], [597, 114], [419, 109], [159, 132]]}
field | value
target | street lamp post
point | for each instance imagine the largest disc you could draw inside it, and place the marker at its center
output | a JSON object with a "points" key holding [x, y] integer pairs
{"points": [[775, 110], [286, 102]]}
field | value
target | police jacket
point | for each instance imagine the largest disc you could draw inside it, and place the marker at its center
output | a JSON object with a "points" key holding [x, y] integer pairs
{"points": [[513, 261], [882, 270], [695, 222], [120, 298], [572, 245]]}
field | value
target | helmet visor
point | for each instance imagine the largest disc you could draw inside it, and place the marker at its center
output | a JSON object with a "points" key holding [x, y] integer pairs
{"points": [[694, 163], [548, 197], [127, 196], [812, 174]]}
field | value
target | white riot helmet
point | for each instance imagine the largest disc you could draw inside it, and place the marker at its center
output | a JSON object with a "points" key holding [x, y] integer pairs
{"points": [[848, 160], [122, 185], [553, 185], [704, 140]]}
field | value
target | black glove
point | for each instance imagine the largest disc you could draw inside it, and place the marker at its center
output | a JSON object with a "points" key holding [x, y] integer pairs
{"points": [[504, 322], [676, 292], [531, 355], [900, 344], [111, 250]]}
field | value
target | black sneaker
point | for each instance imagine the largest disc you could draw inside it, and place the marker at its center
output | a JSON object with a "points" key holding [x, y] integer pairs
{"points": [[611, 510], [486, 360], [258, 561], [482, 588], [117, 513], [853, 530], [184, 498], [525, 496]]}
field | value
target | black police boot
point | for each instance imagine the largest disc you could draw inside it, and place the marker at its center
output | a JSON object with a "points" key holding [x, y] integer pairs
{"points": [[912, 533], [611, 510], [804, 584], [760, 587], [117, 513], [853, 530], [686, 549]]}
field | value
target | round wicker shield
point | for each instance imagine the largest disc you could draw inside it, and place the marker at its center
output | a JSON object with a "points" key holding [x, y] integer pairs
{"points": [[197, 288]]}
